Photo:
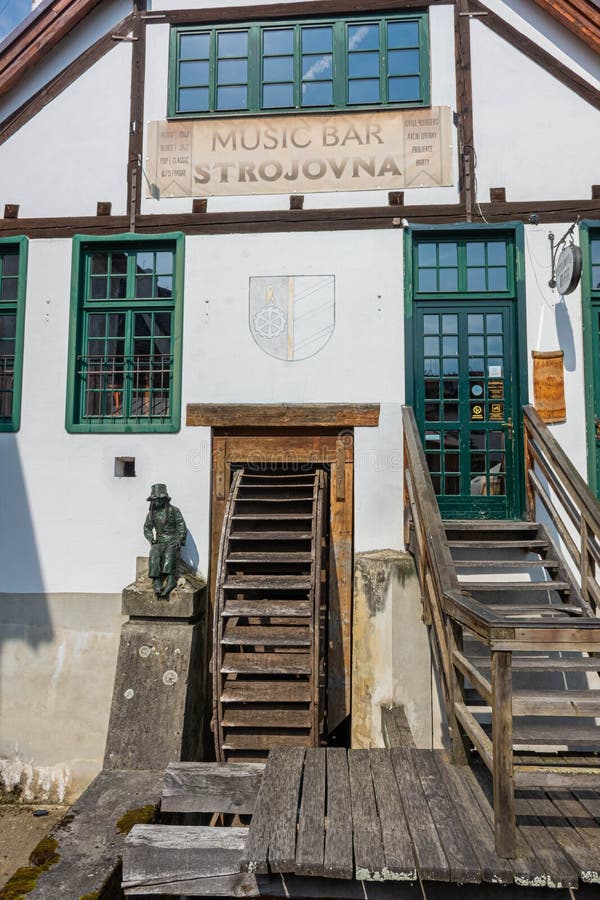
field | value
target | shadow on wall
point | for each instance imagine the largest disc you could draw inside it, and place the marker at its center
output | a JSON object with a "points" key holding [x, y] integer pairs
{"points": [[564, 331], [25, 621]]}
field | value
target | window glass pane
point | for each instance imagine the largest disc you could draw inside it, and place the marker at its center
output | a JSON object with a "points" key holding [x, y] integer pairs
{"points": [[450, 346], [494, 323], [427, 280], [143, 324], [164, 262], [317, 93], [164, 286], [494, 344], [404, 89], [9, 289], [99, 264], [162, 324], [475, 346], [476, 279], [98, 288], [403, 62], [278, 95], [595, 277], [193, 100], [448, 279], [475, 253], [317, 67], [361, 65], [278, 68], [116, 325], [431, 324], [194, 46], [9, 264], [278, 41], [118, 288], [450, 324], [119, 264], [232, 98], [317, 39], [496, 279], [475, 324], [450, 366], [363, 37], [232, 71], [496, 251], [232, 43], [144, 262], [143, 286], [426, 254], [363, 91], [96, 325], [193, 73], [8, 324], [403, 34], [448, 254], [431, 367], [431, 345]]}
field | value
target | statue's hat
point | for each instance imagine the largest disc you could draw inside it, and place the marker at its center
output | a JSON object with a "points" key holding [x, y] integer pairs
{"points": [[159, 492]]}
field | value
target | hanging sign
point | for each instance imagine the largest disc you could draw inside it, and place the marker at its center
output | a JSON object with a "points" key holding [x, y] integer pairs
{"points": [[408, 148], [549, 385], [568, 269]]}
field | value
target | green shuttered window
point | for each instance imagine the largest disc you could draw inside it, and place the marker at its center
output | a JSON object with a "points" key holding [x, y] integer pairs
{"points": [[125, 338], [323, 64], [13, 273]]}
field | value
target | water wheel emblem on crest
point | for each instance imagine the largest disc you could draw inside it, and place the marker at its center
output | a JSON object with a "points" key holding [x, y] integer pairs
{"points": [[270, 321]]}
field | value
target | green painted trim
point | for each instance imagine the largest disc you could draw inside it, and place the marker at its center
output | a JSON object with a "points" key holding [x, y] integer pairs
{"points": [[590, 300], [515, 232], [339, 50], [20, 243], [80, 244]]}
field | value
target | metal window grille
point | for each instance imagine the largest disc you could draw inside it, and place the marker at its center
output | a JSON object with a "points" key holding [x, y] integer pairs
{"points": [[125, 388]]}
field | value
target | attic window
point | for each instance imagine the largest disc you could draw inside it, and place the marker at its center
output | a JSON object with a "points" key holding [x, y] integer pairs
{"points": [[321, 64]]}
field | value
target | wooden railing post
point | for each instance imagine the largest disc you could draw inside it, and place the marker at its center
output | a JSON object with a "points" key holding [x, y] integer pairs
{"points": [[502, 739], [529, 464], [456, 688]]}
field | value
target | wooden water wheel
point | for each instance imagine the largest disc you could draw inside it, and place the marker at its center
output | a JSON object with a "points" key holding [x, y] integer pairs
{"points": [[270, 614]]}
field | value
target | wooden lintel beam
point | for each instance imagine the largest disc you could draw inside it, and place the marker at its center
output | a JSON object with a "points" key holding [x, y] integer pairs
{"points": [[283, 415]]}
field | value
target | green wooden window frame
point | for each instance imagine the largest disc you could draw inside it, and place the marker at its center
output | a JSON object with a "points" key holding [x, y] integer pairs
{"points": [[313, 65], [589, 240], [463, 266], [125, 334], [13, 277]]}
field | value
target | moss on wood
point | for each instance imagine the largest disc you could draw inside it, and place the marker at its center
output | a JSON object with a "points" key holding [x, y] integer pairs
{"points": [[142, 816], [25, 879]]}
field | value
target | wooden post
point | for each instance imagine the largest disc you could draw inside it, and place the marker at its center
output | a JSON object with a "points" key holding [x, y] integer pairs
{"points": [[504, 788], [406, 501], [460, 742], [529, 464]]}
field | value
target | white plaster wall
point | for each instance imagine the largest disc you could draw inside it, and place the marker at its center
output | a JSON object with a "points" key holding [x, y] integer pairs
{"points": [[99, 22], [443, 93], [533, 135], [74, 152]]}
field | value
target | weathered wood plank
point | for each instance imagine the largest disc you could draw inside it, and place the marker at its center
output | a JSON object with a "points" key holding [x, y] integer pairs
{"points": [[338, 838], [578, 836], [253, 858], [430, 857], [369, 859], [310, 848], [266, 692], [211, 787], [502, 761], [464, 865], [284, 794], [399, 858], [272, 663], [304, 415], [154, 854], [395, 728]]}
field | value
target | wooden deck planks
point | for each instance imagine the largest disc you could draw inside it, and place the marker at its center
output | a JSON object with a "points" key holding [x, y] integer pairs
{"points": [[284, 808], [369, 858], [310, 848], [397, 848], [338, 839]]}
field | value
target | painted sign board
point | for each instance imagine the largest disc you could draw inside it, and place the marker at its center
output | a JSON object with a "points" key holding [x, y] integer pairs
{"points": [[568, 269], [300, 154], [549, 385]]}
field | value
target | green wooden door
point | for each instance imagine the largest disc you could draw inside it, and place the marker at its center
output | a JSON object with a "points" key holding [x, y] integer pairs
{"points": [[466, 402], [595, 341]]}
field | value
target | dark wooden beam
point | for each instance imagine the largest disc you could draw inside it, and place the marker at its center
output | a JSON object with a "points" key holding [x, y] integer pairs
{"points": [[199, 205], [11, 211], [273, 221], [464, 107], [498, 195], [596, 192], [103, 208], [297, 201], [396, 198], [136, 116], [62, 81], [283, 415], [283, 10], [534, 52]]}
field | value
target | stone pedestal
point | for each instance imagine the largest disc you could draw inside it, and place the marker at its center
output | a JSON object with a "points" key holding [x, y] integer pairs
{"points": [[159, 697]]}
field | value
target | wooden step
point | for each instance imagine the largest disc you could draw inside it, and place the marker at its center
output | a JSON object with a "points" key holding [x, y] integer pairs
{"points": [[522, 609], [533, 544], [271, 536], [267, 556], [267, 500], [268, 607], [267, 663], [546, 664], [267, 582], [272, 717], [545, 776], [506, 564], [556, 703], [525, 586], [249, 691], [269, 477], [267, 741], [483, 525], [557, 734], [201, 787], [266, 636], [271, 517]]}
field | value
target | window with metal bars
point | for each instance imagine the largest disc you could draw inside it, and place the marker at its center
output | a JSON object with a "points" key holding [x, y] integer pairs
{"points": [[356, 62], [13, 269], [126, 342]]}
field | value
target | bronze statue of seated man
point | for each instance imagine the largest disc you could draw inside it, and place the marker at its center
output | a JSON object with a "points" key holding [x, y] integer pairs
{"points": [[166, 531]]}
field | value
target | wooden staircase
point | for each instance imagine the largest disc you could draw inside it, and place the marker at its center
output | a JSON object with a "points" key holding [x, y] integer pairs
{"points": [[512, 608], [268, 660]]}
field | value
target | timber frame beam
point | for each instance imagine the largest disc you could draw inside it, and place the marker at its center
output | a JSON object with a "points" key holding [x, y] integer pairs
{"points": [[283, 415]]}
